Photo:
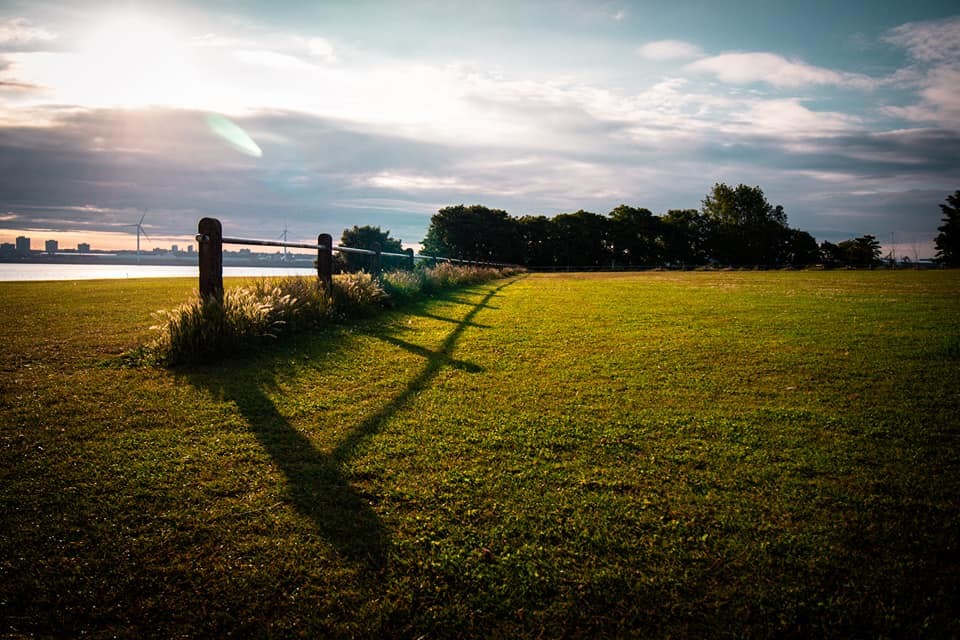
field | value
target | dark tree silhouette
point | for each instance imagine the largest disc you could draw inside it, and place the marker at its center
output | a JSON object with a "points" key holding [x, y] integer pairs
{"points": [[685, 234], [582, 239], [473, 233], [366, 237], [860, 252], [636, 236], [830, 254], [538, 241], [745, 228], [800, 248], [735, 226], [948, 240]]}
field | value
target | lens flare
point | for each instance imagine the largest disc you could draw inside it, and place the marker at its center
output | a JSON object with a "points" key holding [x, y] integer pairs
{"points": [[233, 135]]}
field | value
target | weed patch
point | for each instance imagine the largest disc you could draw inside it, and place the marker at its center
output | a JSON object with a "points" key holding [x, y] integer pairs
{"points": [[205, 329]]}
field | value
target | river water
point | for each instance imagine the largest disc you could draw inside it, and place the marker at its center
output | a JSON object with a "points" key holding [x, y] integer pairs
{"points": [[11, 271]]}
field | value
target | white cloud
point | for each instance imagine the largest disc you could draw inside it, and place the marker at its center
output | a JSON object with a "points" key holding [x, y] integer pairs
{"points": [[931, 41], [669, 50], [321, 48], [273, 60], [747, 68], [402, 182], [935, 49], [18, 33], [789, 118]]}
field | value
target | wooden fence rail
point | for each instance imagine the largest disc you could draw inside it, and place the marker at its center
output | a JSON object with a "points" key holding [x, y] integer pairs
{"points": [[210, 241]]}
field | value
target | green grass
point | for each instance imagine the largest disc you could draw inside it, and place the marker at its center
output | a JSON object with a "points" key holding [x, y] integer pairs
{"points": [[711, 454]]}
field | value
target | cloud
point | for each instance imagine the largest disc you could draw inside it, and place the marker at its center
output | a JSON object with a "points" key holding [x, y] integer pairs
{"points": [[92, 169], [13, 85], [337, 153], [322, 49], [274, 61], [669, 50], [19, 34], [934, 48], [789, 118], [929, 41], [406, 182], [775, 70]]}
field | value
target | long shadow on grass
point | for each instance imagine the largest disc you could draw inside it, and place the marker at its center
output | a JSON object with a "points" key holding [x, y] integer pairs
{"points": [[316, 482], [436, 360]]}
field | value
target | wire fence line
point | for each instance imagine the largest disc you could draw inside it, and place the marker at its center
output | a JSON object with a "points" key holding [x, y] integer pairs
{"points": [[210, 241]]}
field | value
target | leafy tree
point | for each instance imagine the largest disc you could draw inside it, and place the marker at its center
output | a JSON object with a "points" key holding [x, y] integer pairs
{"points": [[830, 254], [800, 248], [366, 237], [860, 252], [685, 236], [473, 233], [948, 241], [636, 236], [745, 228], [582, 239], [741, 206], [433, 244], [538, 241]]}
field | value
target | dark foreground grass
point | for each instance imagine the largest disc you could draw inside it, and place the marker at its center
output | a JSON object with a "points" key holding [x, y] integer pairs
{"points": [[692, 455]]}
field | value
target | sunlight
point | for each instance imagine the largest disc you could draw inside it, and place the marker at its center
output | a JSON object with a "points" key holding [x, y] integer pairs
{"points": [[136, 60]]}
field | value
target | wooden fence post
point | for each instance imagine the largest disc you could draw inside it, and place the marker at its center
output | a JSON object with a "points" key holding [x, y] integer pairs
{"points": [[325, 260], [210, 251], [410, 263], [375, 259]]}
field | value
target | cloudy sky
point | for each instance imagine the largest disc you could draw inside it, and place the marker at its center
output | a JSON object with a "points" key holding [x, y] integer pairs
{"points": [[315, 116]]}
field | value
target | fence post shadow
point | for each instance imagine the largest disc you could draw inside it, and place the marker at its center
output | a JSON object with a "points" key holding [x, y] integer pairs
{"points": [[317, 484], [436, 360]]}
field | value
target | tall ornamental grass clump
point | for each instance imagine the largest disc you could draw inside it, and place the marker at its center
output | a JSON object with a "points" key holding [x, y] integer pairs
{"points": [[206, 329]]}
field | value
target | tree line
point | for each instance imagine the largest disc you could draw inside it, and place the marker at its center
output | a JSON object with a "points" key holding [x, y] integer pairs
{"points": [[735, 226]]}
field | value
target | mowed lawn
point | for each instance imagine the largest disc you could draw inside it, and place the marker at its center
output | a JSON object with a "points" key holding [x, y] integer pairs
{"points": [[704, 454]]}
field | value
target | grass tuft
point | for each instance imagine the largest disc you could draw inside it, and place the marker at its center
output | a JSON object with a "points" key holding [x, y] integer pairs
{"points": [[205, 329]]}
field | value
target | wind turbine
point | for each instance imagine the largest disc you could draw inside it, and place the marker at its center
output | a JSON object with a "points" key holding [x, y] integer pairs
{"points": [[283, 236], [140, 230]]}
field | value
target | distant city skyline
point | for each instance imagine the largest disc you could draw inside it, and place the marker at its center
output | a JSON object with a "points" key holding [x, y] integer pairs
{"points": [[99, 241], [49, 245]]}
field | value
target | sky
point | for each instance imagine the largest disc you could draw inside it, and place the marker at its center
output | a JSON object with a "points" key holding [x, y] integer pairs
{"points": [[311, 117]]}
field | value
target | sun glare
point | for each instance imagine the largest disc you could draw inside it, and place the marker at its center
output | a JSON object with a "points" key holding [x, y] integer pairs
{"points": [[135, 59]]}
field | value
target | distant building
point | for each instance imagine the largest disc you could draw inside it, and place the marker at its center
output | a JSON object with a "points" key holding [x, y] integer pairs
{"points": [[83, 247], [7, 250], [51, 246], [175, 248], [189, 248], [23, 245]]}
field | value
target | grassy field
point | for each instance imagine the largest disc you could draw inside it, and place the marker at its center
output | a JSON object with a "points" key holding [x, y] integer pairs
{"points": [[715, 454]]}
